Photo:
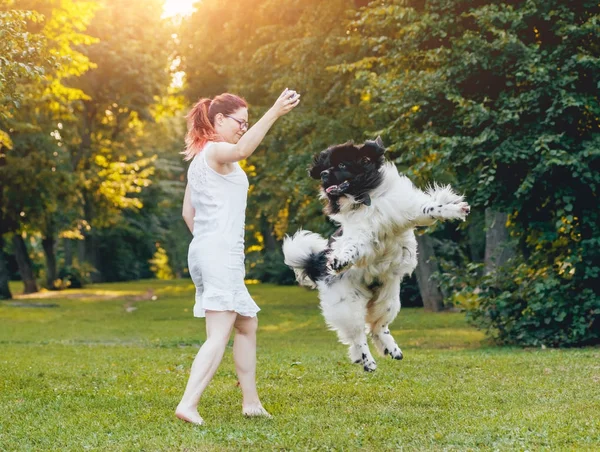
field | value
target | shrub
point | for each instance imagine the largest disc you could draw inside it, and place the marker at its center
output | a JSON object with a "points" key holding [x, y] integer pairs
{"points": [[74, 276], [522, 305]]}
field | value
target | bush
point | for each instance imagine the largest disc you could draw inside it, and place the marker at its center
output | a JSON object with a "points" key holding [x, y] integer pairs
{"points": [[502, 97], [74, 276], [526, 306]]}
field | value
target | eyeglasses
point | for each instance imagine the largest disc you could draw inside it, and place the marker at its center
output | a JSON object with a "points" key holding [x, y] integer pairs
{"points": [[243, 124]]}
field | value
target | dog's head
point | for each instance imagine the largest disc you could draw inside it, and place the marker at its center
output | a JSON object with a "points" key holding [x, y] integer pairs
{"points": [[349, 169]]}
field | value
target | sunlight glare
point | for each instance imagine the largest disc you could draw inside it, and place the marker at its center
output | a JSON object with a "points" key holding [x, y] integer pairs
{"points": [[178, 7]]}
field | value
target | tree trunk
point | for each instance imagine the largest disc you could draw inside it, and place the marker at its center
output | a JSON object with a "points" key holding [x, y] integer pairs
{"points": [[89, 252], [51, 273], [24, 263], [81, 251], [433, 299], [4, 289], [476, 235], [498, 249], [91, 257], [68, 247]]}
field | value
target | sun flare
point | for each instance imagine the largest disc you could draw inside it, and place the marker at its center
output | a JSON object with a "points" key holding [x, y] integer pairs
{"points": [[178, 7]]}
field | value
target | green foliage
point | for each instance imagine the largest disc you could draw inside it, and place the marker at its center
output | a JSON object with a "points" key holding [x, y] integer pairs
{"points": [[24, 57], [38, 48], [81, 153], [35, 206], [106, 137], [526, 306], [506, 96], [37, 192]]}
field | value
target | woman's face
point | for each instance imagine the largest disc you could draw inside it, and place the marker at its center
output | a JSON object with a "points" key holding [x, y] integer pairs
{"points": [[231, 127]]}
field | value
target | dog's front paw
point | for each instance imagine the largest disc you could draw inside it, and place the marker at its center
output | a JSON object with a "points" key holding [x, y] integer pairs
{"points": [[370, 366], [464, 207], [456, 211], [341, 260], [336, 265], [395, 353], [368, 363]]}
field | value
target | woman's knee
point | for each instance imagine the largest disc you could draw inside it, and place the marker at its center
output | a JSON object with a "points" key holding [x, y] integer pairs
{"points": [[246, 325]]}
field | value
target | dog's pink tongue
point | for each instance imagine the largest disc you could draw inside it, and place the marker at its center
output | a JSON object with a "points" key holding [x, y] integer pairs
{"points": [[330, 189]]}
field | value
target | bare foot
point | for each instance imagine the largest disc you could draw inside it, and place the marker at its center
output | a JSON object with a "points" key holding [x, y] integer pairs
{"points": [[189, 415], [255, 410]]}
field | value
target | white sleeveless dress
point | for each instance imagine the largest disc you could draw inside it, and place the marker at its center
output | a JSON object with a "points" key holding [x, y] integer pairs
{"points": [[216, 253]]}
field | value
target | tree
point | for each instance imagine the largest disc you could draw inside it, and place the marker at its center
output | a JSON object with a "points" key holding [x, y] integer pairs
{"points": [[103, 138], [505, 95], [498, 246], [34, 122], [25, 56], [163, 200], [433, 299]]}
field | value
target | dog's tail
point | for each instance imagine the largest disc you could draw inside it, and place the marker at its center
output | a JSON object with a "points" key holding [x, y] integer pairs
{"points": [[305, 253]]}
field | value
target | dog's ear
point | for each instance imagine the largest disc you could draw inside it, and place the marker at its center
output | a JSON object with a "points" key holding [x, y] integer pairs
{"points": [[376, 147], [318, 166], [315, 172]]}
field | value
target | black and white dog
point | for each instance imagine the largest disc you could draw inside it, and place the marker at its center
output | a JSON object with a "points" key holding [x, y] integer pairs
{"points": [[359, 269]]}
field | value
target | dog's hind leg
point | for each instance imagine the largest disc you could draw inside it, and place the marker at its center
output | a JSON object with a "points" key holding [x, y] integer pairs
{"points": [[344, 309], [355, 336], [379, 315], [385, 343]]}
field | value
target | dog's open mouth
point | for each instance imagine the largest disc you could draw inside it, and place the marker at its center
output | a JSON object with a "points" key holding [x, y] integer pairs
{"points": [[337, 189]]}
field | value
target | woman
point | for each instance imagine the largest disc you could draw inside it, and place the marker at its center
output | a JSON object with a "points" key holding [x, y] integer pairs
{"points": [[214, 210]]}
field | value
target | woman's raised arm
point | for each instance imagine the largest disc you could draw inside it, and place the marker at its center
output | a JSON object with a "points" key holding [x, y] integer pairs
{"points": [[222, 153]]}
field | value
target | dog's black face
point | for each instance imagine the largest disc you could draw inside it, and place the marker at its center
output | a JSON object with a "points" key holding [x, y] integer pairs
{"points": [[349, 169]]}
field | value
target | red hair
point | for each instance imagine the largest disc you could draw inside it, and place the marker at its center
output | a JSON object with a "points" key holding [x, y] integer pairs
{"points": [[201, 121]]}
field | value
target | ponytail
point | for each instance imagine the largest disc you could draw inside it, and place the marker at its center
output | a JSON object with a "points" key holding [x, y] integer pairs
{"points": [[200, 129], [200, 121]]}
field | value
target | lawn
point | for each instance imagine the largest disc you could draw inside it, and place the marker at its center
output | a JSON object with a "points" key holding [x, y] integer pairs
{"points": [[103, 369]]}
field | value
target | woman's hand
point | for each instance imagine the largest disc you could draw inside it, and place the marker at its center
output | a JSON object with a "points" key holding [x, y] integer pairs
{"points": [[286, 102]]}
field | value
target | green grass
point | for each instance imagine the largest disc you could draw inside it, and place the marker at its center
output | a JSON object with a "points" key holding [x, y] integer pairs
{"points": [[88, 375]]}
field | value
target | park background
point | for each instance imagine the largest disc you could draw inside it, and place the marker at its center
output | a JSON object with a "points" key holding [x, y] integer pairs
{"points": [[499, 99]]}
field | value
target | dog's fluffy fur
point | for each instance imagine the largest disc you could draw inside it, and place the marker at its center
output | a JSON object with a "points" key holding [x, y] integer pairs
{"points": [[359, 269]]}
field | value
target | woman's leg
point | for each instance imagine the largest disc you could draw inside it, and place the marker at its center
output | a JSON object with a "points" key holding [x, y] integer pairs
{"points": [[218, 329], [244, 355]]}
